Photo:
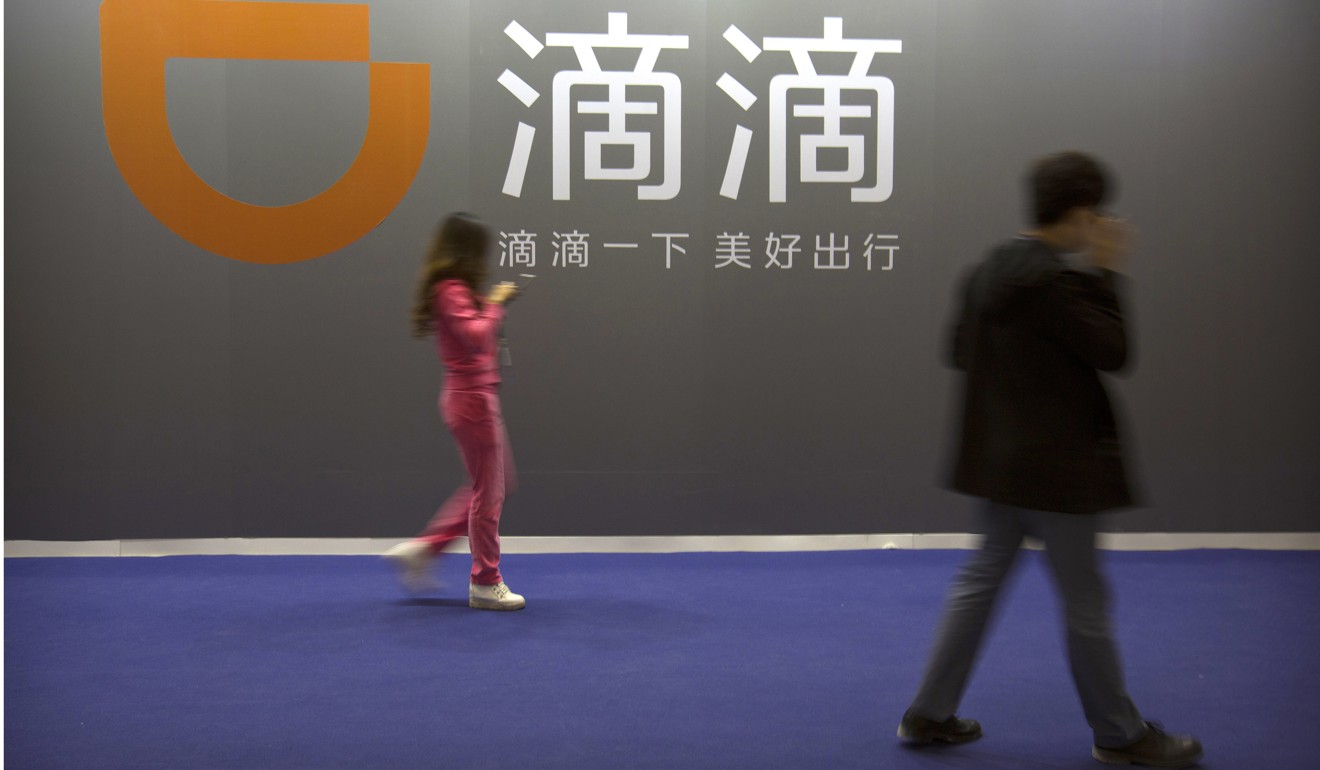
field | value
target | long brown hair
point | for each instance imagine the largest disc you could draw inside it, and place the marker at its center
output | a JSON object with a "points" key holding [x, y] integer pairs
{"points": [[458, 252]]}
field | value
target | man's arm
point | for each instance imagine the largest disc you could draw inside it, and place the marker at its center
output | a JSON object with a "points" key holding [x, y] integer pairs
{"points": [[1081, 312], [959, 342]]}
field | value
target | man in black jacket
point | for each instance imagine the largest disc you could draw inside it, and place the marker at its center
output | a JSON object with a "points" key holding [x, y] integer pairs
{"points": [[1039, 443]]}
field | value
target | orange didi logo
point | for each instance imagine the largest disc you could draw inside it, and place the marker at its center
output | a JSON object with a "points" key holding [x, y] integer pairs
{"points": [[139, 36]]}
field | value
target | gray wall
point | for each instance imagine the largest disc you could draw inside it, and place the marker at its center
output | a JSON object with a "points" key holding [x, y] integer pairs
{"points": [[154, 389]]}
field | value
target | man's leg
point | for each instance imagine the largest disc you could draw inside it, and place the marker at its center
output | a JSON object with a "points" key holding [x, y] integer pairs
{"points": [[966, 613], [1070, 548]]}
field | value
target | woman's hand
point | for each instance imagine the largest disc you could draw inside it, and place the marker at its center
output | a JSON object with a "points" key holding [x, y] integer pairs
{"points": [[502, 293]]}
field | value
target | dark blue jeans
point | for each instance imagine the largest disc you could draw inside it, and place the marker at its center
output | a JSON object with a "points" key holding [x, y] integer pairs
{"points": [[1069, 541]]}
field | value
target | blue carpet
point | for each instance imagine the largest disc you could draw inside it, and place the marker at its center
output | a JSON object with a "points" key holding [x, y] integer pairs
{"points": [[802, 660]]}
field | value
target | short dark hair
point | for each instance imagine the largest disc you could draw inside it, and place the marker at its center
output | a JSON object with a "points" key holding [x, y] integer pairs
{"points": [[1064, 181]]}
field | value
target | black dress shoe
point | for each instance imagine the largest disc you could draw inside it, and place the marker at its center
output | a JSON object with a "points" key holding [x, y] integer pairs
{"points": [[1155, 749], [920, 730]]}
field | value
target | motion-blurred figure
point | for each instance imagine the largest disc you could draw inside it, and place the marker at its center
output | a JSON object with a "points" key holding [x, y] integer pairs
{"points": [[1039, 443], [466, 327]]}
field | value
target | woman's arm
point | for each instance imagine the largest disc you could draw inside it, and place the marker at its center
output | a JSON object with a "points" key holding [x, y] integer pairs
{"points": [[474, 326]]}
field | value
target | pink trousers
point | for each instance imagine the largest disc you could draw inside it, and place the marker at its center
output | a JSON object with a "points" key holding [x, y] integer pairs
{"points": [[473, 416]]}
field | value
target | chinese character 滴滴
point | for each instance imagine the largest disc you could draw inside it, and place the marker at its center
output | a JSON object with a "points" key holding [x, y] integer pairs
{"points": [[571, 249], [518, 249], [831, 111], [616, 108]]}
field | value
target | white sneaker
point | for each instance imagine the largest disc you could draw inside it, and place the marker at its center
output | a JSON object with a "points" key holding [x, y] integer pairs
{"points": [[496, 597], [412, 559]]}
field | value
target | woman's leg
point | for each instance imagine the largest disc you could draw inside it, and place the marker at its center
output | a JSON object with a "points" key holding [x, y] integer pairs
{"points": [[479, 430], [450, 520]]}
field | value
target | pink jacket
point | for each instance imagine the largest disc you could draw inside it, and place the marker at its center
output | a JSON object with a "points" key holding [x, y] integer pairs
{"points": [[467, 336]]}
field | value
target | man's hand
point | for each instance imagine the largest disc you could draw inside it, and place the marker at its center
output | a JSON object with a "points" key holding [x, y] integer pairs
{"points": [[1110, 238]]}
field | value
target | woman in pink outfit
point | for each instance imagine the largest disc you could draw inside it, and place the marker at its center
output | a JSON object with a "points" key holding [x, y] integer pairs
{"points": [[466, 328]]}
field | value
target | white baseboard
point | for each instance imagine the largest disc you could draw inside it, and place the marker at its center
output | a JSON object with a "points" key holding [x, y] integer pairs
{"points": [[366, 546]]}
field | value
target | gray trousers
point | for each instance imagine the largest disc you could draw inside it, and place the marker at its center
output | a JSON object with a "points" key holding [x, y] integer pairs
{"points": [[1069, 541]]}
